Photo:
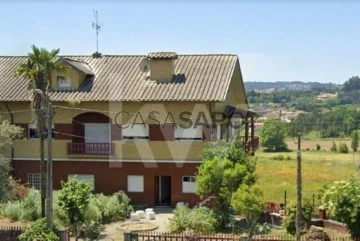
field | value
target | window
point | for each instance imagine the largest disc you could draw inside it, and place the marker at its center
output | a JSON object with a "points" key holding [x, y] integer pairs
{"points": [[34, 180], [90, 179], [188, 184], [136, 131], [97, 133], [33, 133], [218, 131], [194, 133], [63, 82], [235, 128], [135, 183]]}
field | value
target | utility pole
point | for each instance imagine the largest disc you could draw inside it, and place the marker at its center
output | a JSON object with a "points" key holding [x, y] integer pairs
{"points": [[49, 207], [298, 191]]}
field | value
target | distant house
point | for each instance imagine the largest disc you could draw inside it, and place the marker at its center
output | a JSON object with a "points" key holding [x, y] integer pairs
{"points": [[118, 121], [326, 96]]}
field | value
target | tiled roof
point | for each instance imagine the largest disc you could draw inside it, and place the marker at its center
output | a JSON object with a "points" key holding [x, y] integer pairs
{"points": [[118, 78], [162, 55], [79, 65]]}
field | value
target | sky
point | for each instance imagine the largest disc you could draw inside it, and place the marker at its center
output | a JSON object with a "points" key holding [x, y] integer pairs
{"points": [[275, 40]]}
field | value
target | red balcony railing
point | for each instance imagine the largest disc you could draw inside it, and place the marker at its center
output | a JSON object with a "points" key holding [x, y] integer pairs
{"points": [[90, 148]]}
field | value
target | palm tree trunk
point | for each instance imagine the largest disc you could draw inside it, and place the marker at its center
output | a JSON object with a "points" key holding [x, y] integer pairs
{"points": [[42, 175], [41, 131]]}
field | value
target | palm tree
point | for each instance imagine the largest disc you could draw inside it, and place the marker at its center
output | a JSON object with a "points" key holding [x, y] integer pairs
{"points": [[38, 69]]}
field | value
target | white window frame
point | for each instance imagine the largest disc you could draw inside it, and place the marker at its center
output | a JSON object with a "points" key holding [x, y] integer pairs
{"points": [[33, 179], [135, 132], [135, 183], [188, 184], [32, 127], [235, 131], [60, 83], [86, 178], [218, 132], [187, 134]]}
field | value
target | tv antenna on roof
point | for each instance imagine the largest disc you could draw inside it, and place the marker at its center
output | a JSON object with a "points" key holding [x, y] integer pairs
{"points": [[97, 26]]}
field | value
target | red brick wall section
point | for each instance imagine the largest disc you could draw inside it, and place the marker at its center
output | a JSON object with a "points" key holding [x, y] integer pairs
{"points": [[10, 233], [66, 129], [112, 177]]}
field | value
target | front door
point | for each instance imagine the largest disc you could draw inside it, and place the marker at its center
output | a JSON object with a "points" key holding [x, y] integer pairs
{"points": [[163, 190]]}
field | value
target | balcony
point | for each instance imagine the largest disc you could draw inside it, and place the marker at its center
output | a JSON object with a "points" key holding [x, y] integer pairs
{"points": [[90, 149]]}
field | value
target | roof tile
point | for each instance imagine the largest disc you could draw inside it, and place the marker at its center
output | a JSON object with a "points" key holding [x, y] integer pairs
{"points": [[118, 78]]}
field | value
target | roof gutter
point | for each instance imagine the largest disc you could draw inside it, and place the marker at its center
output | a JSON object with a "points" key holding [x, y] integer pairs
{"points": [[11, 122]]}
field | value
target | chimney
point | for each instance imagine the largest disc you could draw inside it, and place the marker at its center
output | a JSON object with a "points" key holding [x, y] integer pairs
{"points": [[162, 65], [96, 55]]}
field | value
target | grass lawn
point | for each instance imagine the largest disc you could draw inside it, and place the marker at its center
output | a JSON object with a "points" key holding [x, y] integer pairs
{"points": [[319, 168]]}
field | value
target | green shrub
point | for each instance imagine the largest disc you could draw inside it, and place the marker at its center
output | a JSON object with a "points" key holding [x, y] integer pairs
{"points": [[73, 199], [343, 148], [288, 158], [113, 208], [290, 218], [278, 157], [92, 225], [60, 217], [31, 206], [333, 147], [318, 147], [27, 209], [38, 231], [12, 210], [263, 228], [201, 220]]}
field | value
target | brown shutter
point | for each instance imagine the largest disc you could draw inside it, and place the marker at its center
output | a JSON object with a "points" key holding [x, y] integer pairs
{"points": [[115, 132], [161, 132], [25, 131], [78, 131], [207, 132], [63, 131]]}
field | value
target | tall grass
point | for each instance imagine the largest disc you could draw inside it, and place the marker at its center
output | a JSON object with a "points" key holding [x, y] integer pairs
{"points": [[318, 168]]}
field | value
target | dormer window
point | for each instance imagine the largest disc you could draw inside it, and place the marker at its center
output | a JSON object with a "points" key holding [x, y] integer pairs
{"points": [[63, 83]]}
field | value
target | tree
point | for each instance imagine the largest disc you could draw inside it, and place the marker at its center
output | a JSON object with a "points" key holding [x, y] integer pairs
{"points": [[352, 84], [38, 231], [38, 69], [355, 140], [73, 199], [7, 135], [224, 169], [248, 201], [273, 135], [341, 200]]}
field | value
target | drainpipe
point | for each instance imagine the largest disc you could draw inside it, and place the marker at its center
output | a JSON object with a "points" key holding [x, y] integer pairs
{"points": [[211, 124], [12, 148]]}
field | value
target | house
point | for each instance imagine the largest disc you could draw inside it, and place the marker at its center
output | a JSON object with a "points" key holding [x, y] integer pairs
{"points": [[131, 123]]}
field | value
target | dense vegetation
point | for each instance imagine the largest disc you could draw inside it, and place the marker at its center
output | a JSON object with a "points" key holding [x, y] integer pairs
{"points": [[337, 123], [225, 168], [74, 207], [305, 99], [341, 199]]}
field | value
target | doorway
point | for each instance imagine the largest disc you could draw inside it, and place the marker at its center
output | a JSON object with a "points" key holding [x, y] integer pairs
{"points": [[163, 190]]}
